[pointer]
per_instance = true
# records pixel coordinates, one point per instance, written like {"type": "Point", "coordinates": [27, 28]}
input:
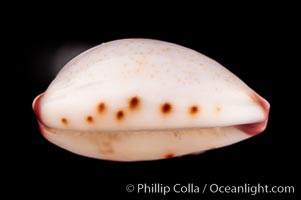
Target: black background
{"type": "Point", "coordinates": [257, 46]}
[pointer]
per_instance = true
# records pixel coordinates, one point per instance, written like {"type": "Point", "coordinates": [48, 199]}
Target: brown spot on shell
{"type": "Point", "coordinates": [166, 49]}
{"type": "Point", "coordinates": [120, 115]}
{"type": "Point", "coordinates": [89, 119]}
{"type": "Point", "coordinates": [64, 121]}
{"type": "Point", "coordinates": [106, 142]}
{"type": "Point", "coordinates": [218, 109]}
{"type": "Point", "coordinates": [134, 103]}
{"type": "Point", "coordinates": [193, 109]}
{"type": "Point", "coordinates": [141, 62]}
{"type": "Point", "coordinates": [101, 107]}
{"type": "Point", "coordinates": [166, 108]}
{"type": "Point", "coordinates": [169, 155]}
{"type": "Point", "coordinates": [106, 147]}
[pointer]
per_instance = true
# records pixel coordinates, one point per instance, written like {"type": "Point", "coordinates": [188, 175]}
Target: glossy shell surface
{"type": "Point", "coordinates": [142, 99]}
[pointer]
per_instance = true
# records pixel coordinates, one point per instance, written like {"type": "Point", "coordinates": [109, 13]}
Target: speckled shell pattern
{"type": "Point", "coordinates": [143, 99]}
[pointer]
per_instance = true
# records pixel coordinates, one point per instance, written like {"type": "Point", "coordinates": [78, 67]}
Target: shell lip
{"type": "Point", "coordinates": [253, 128]}
{"type": "Point", "coordinates": [257, 127]}
{"type": "Point", "coordinates": [250, 129]}
{"type": "Point", "coordinates": [36, 106]}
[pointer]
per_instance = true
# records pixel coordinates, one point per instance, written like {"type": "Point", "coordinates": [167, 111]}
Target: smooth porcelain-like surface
{"type": "Point", "coordinates": [142, 99]}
